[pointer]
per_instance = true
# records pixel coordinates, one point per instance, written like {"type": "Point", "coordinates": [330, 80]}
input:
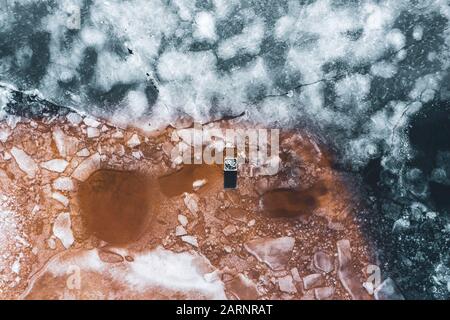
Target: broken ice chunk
{"type": "Point", "coordinates": [229, 230]}
{"type": "Point", "coordinates": [137, 154]}
{"type": "Point", "coordinates": [55, 165]}
{"type": "Point", "coordinates": [62, 229]}
{"type": "Point", "coordinates": [91, 122]}
{"type": "Point", "coordinates": [323, 262]}
{"type": "Point", "coordinates": [117, 134]}
{"type": "Point", "coordinates": [134, 141]}
{"type": "Point", "coordinates": [65, 144]}
{"type": "Point", "coordinates": [312, 281]}
{"type": "Point", "coordinates": [61, 198]}
{"type": "Point", "coordinates": [191, 203]}
{"type": "Point", "coordinates": [83, 153]}
{"type": "Point", "coordinates": [275, 252]}
{"type": "Point", "coordinates": [191, 240]}
{"type": "Point", "coordinates": [74, 118]}
{"type": "Point", "coordinates": [63, 184]}
{"type": "Point", "coordinates": [197, 184]}
{"type": "Point", "coordinates": [25, 162]}
{"type": "Point", "coordinates": [183, 220]}
{"type": "Point", "coordinates": [296, 275]}
{"type": "Point", "coordinates": [346, 274]}
{"type": "Point", "coordinates": [286, 284]}
{"type": "Point", "coordinates": [7, 156]}
{"type": "Point", "coordinates": [180, 231]}
{"type": "Point", "coordinates": [85, 168]}
{"type": "Point", "coordinates": [92, 132]}
{"type": "Point", "coordinates": [324, 293]}
{"type": "Point", "coordinates": [388, 290]}
{"type": "Point", "coordinates": [4, 134]}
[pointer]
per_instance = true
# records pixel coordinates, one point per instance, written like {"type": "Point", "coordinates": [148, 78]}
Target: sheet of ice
{"type": "Point", "coordinates": [25, 162]}
{"type": "Point", "coordinates": [63, 184]}
{"type": "Point", "coordinates": [62, 229]}
{"type": "Point", "coordinates": [85, 168]}
{"type": "Point", "coordinates": [65, 144]}
{"type": "Point", "coordinates": [56, 165]}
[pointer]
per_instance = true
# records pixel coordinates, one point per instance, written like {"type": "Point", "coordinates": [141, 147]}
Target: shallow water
{"type": "Point", "coordinates": [116, 205]}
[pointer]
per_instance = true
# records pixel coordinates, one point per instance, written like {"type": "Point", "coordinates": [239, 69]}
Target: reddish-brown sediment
{"type": "Point", "coordinates": [117, 206]}
{"type": "Point", "coordinates": [287, 203]}
{"type": "Point", "coordinates": [176, 183]}
{"type": "Point", "coordinates": [126, 198]}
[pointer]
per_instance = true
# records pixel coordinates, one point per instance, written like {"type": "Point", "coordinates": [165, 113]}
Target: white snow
{"type": "Point", "coordinates": [25, 162]}
{"type": "Point", "coordinates": [158, 270]}
{"type": "Point", "coordinates": [177, 271]}
{"type": "Point", "coordinates": [55, 165]}
{"type": "Point", "coordinates": [136, 102]}
{"type": "Point", "coordinates": [93, 37]}
{"type": "Point", "coordinates": [205, 26]}
{"type": "Point", "coordinates": [249, 41]}
{"type": "Point", "coordinates": [8, 232]}
{"type": "Point", "coordinates": [4, 134]}
{"type": "Point", "coordinates": [418, 33]}
{"type": "Point", "coordinates": [383, 69]}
